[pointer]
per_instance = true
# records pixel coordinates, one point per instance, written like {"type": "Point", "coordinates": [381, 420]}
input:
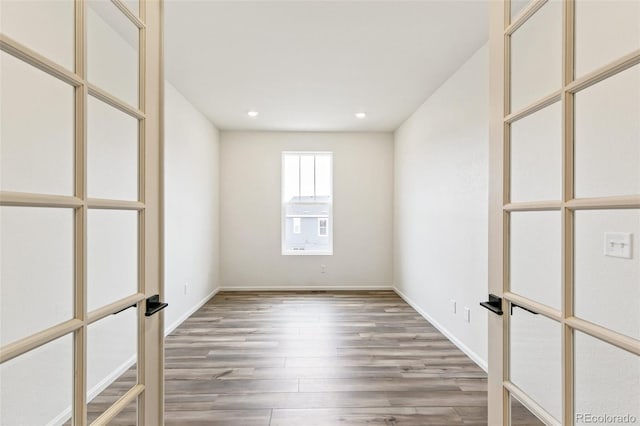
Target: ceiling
{"type": "Point", "coordinates": [310, 65]}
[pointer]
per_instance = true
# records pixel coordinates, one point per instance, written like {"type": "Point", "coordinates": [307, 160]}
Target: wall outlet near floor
{"type": "Point", "coordinates": [323, 269]}
{"type": "Point", "coordinates": [186, 288]}
{"type": "Point", "coordinates": [467, 314]}
{"type": "Point", "coordinates": [453, 306]}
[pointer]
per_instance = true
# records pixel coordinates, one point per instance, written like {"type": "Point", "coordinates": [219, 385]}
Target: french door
{"type": "Point", "coordinates": [564, 344]}
{"type": "Point", "coordinates": [80, 216]}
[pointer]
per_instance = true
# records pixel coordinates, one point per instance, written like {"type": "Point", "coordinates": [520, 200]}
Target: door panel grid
{"type": "Point", "coordinates": [505, 27]}
{"type": "Point", "coordinates": [147, 161]}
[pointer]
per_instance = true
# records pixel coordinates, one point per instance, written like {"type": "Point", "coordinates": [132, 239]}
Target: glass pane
{"type": "Point", "coordinates": [535, 256]}
{"type": "Point", "coordinates": [127, 417]}
{"type": "Point", "coordinates": [536, 347]}
{"type": "Point", "coordinates": [112, 152]}
{"type": "Point", "coordinates": [536, 156]}
{"type": "Point", "coordinates": [517, 6]}
{"type": "Point", "coordinates": [112, 353]}
{"type": "Point", "coordinates": [600, 273]}
{"type": "Point", "coordinates": [44, 26]}
{"type": "Point", "coordinates": [36, 388]}
{"type": "Point", "coordinates": [291, 178]}
{"type": "Point", "coordinates": [37, 113]}
{"type": "Point", "coordinates": [607, 383]}
{"type": "Point", "coordinates": [605, 31]}
{"type": "Point", "coordinates": [112, 51]}
{"type": "Point", "coordinates": [521, 416]}
{"type": "Point", "coordinates": [112, 256]}
{"type": "Point", "coordinates": [536, 56]}
{"type": "Point", "coordinates": [607, 137]}
{"type": "Point", "coordinates": [36, 269]}
{"type": "Point", "coordinates": [306, 175]}
{"type": "Point", "coordinates": [133, 5]}
{"type": "Point", "coordinates": [323, 175]}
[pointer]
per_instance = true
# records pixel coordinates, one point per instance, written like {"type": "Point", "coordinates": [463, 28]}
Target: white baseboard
{"type": "Point", "coordinates": [310, 288]}
{"type": "Point", "coordinates": [200, 304]}
{"type": "Point", "coordinates": [464, 348]}
{"type": "Point", "coordinates": [61, 418]}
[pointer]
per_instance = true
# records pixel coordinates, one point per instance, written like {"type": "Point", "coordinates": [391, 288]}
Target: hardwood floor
{"type": "Point", "coordinates": [313, 359]}
{"type": "Point", "coordinates": [322, 358]}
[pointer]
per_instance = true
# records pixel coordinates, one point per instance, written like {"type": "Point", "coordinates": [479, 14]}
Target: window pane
{"type": "Point", "coordinates": [112, 256]}
{"type": "Point", "coordinates": [605, 31]}
{"type": "Point", "coordinates": [521, 416]}
{"type": "Point", "coordinates": [536, 156]}
{"type": "Point", "coordinates": [134, 5]}
{"type": "Point", "coordinates": [306, 175]}
{"type": "Point", "coordinates": [112, 152]}
{"type": "Point", "coordinates": [112, 51]}
{"type": "Point", "coordinates": [112, 353]}
{"type": "Point", "coordinates": [535, 256]}
{"type": "Point", "coordinates": [36, 388]}
{"type": "Point", "coordinates": [36, 270]}
{"type": "Point", "coordinates": [44, 26]}
{"type": "Point", "coordinates": [128, 416]}
{"type": "Point", "coordinates": [536, 347]}
{"type": "Point", "coordinates": [37, 129]}
{"type": "Point", "coordinates": [323, 175]}
{"type": "Point", "coordinates": [291, 178]}
{"type": "Point", "coordinates": [517, 6]}
{"type": "Point", "coordinates": [598, 275]}
{"type": "Point", "coordinates": [536, 56]}
{"type": "Point", "coordinates": [607, 137]}
{"type": "Point", "coordinates": [607, 381]}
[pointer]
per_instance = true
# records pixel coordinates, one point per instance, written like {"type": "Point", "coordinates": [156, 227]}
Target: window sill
{"type": "Point", "coordinates": [307, 253]}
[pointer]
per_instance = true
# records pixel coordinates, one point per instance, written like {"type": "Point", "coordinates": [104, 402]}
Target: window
{"type": "Point", "coordinates": [323, 226]}
{"type": "Point", "coordinates": [307, 203]}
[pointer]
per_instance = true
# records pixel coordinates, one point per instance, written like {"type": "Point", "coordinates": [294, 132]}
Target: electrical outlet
{"type": "Point", "coordinates": [467, 314]}
{"type": "Point", "coordinates": [323, 269]}
{"type": "Point", "coordinates": [453, 306]}
{"type": "Point", "coordinates": [186, 288]}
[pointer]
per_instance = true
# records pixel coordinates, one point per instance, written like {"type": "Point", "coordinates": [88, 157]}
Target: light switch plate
{"type": "Point", "coordinates": [618, 244]}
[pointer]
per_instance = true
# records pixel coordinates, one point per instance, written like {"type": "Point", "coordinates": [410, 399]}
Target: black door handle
{"type": "Point", "coordinates": [494, 304]}
{"type": "Point", "coordinates": [154, 305]}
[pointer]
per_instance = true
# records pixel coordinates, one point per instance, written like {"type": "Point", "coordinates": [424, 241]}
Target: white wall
{"type": "Point", "coordinates": [440, 205]}
{"type": "Point", "coordinates": [36, 268]}
{"type": "Point", "coordinates": [191, 207]}
{"type": "Point", "coordinates": [251, 207]}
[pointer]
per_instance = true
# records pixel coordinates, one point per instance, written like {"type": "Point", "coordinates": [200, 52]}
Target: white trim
{"type": "Point", "coordinates": [464, 348]}
{"type": "Point", "coordinates": [108, 380]}
{"type": "Point", "coordinates": [61, 418]}
{"type": "Point", "coordinates": [307, 252]}
{"type": "Point", "coordinates": [309, 288]}
{"type": "Point", "coordinates": [190, 312]}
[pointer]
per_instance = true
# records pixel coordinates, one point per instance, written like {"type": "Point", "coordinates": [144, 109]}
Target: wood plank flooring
{"type": "Point", "coordinates": [317, 359]}
{"type": "Point", "coordinates": [313, 359]}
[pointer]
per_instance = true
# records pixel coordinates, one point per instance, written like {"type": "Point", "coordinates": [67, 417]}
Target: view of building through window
{"type": "Point", "coordinates": [307, 202]}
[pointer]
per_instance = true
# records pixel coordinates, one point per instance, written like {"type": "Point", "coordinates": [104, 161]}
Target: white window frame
{"type": "Point", "coordinates": [326, 226]}
{"type": "Point", "coordinates": [297, 225]}
{"type": "Point", "coordinates": [283, 215]}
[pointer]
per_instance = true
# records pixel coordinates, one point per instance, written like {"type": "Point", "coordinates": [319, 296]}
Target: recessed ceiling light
{"type": "Point", "coordinates": [252, 114]}
{"type": "Point", "coordinates": [361, 115]}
